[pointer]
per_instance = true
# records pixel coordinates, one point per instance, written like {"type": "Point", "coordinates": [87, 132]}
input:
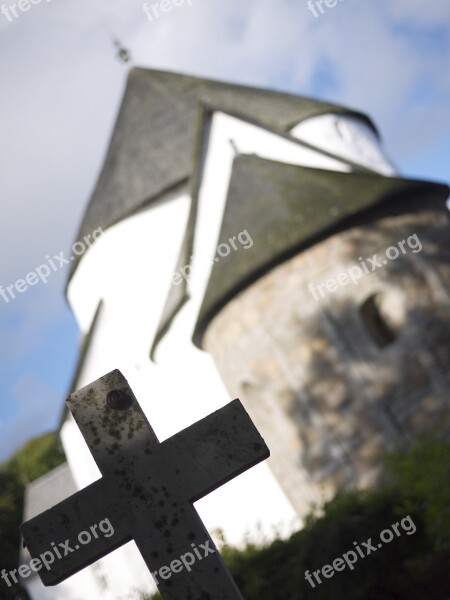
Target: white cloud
{"type": "Point", "coordinates": [377, 66]}
{"type": "Point", "coordinates": [61, 86]}
{"type": "Point", "coordinates": [418, 12]}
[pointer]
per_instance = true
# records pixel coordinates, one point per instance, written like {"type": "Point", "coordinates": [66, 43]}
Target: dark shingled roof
{"type": "Point", "coordinates": [286, 209]}
{"type": "Point", "coordinates": [151, 147]}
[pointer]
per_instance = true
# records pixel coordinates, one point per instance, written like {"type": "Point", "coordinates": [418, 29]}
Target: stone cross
{"type": "Point", "coordinates": [146, 493]}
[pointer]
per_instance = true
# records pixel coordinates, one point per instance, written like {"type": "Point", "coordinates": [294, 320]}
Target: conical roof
{"type": "Point", "coordinates": [286, 199]}
{"type": "Point", "coordinates": [152, 143]}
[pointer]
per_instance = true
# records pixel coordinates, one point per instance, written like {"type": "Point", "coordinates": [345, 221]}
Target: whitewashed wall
{"type": "Point", "coordinates": [348, 137]}
{"type": "Point", "coordinates": [130, 268]}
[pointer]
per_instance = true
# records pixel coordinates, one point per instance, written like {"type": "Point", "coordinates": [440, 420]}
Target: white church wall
{"type": "Point", "coordinates": [228, 134]}
{"type": "Point", "coordinates": [133, 284]}
{"type": "Point", "coordinates": [130, 268]}
{"type": "Point", "coordinates": [348, 137]}
{"type": "Point", "coordinates": [117, 271]}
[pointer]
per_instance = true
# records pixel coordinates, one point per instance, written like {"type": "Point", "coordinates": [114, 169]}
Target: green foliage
{"type": "Point", "coordinates": [423, 473]}
{"type": "Point", "coordinates": [37, 457]}
{"type": "Point", "coordinates": [34, 459]}
{"type": "Point", "coordinates": [411, 567]}
{"type": "Point", "coordinates": [11, 501]}
{"type": "Point", "coordinates": [278, 571]}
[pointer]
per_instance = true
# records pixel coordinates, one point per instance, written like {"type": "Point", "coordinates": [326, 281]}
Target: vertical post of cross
{"type": "Point", "coordinates": [151, 488]}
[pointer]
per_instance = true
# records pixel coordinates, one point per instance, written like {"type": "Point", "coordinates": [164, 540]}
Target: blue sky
{"type": "Point", "coordinates": [61, 89]}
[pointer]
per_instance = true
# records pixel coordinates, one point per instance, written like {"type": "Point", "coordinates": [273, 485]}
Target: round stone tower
{"type": "Point", "coordinates": [270, 230]}
{"type": "Point", "coordinates": [340, 348]}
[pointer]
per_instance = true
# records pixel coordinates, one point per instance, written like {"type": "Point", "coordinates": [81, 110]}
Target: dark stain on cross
{"type": "Point", "coordinates": [147, 490]}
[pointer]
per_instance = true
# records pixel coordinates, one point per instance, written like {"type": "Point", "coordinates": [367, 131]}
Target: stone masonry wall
{"type": "Point", "coordinates": [326, 396]}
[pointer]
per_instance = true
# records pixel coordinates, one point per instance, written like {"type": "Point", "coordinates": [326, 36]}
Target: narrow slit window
{"type": "Point", "coordinates": [375, 322]}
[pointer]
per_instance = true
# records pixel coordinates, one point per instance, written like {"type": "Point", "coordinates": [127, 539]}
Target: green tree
{"type": "Point", "coordinates": [413, 566]}
{"type": "Point", "coordinates": [37, 457]}
{"type": "Point", "coordinates": [31, 461]}
{"type": "Point", "coordinates": [421, 475]}
{"type": "Point", "coordinates": [11, 501]}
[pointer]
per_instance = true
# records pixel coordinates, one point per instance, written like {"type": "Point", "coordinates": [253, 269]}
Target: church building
{"type": "Point", "coordinates": [261, 246]}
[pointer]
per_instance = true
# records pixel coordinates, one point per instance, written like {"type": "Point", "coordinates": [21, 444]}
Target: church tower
{"type": "Point", "coordinates": [337, 337]}
{"type": "Point", "coordinates": [259, 245]}
{"type": "Point", "coordinates": [293, 254]}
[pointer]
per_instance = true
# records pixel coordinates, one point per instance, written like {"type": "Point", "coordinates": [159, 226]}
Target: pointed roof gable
{"type": "Point", "coordinates": [151, 147]}
{"type": "Point", "coordinates": [281, 202]}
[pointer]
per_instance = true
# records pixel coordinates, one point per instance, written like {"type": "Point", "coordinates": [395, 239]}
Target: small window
{"type": "Point", "coordinates": [375, 322]}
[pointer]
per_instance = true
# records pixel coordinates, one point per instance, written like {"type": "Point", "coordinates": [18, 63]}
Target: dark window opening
{"type": "Point", "coordinates": [375, 322]}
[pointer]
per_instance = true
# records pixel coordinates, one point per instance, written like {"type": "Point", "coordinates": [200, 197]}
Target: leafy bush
{"type": "Point", "coordinates": [37, 457]}
{"type": "Point", "coordinates": [34, 459]}
{"type": "Point", "coordinates": [421, 476]}
{"type": "Point", "coordinates": [415, 482]}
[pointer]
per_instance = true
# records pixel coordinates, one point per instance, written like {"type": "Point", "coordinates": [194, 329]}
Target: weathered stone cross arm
{"type": "Point", "coordinates": [146, 492]}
